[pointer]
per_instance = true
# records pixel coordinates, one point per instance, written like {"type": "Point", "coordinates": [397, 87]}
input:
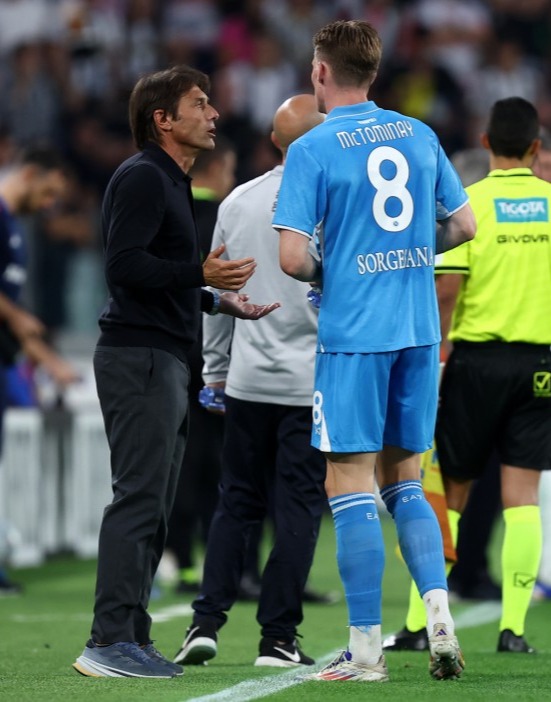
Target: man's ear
{"type": "Point", "coordinates": [162, 121]}
{"type": "Point", "coordinates": [485, 141]}
{"type": "Point", "coordinates": [323, 71]}
{"type": "Point", "coordinates": [534, 147]}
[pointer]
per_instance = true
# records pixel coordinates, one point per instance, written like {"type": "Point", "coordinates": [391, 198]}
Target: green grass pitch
{"type": "Point", "coordinates": [44, 630]}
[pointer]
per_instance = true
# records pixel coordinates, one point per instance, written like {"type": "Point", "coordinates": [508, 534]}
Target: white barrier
{"type": "Point", "coordinates": [21, 485]}
{"type": "Point", "coordinates": [87, 484]}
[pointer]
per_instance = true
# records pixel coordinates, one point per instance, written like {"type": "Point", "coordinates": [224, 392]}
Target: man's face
{"type": "Point", "coordinates": [45, 189]}
{"type": "Point", "coordinates": [194, 124]}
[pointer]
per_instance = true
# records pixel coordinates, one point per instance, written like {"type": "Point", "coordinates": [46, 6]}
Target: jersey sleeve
{"type": "Point", "coordinates": [301, 199]}
{"type": "Point", "coordinates": [450, 193]}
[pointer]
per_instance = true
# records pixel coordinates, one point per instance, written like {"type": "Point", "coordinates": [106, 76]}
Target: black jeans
{"type": "Point", "coordinates": [144, 401]}
{"type": "Point", "coordinates": [268, 466]}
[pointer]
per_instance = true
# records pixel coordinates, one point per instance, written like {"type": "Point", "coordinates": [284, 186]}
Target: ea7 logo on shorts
{"type": "Point", "coordinates": [522, 210]}
{"type": "Point", "coordinates": [542, 384]}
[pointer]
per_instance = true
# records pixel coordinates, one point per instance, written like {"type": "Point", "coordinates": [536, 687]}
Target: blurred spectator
{"type": "Point", "coordinates": [507, 72]}
{"type": "Point", "coordinates": [456, 31]}
{"type": "Point", "coordinates": [241, 22]}
{"type": "Point", "coordinates": [427, 91]}
{"type": "Point", "coordinates": [259, 87]}
{"type": "Point", "coordinates": [189, 31]}
{"type": "Point", "coordinates": [72, 225]}
{"type": "Point", "coordinates": [528, 21]}
{"type": "Point", "coordinates": [294, 23]}
{"type": "Point", "coordinates": [31, 101]}
{"type": "Point", "coordinates": [142, 45]}
{"type": "Point", "coordinates": [385, 15]}
{"type": "Point", "coordinates": [27, 22]}
{"type": "Point", "coordinates": [93, 34]}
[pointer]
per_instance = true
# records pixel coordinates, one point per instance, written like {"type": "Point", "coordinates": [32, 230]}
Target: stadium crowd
{"type": "Point", "coordinates": [67, 67]}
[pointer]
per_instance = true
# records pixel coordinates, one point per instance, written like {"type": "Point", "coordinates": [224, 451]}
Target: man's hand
{"type": "Point", "coordinates": [62, 372]}
{"type": "Point", "coordinates": [237, 305]}
{"type": "Point", "coordinates": [227, 275]}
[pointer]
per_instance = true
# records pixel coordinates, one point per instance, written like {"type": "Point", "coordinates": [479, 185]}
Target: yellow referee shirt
{"type": "Point", "coordinates": [506, 292]}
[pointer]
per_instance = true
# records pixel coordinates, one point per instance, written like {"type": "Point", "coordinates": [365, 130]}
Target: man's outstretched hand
{"type": "Point", "coordinates": [227, 275]}
{"type": "Point", "coordinates": [238, 305]}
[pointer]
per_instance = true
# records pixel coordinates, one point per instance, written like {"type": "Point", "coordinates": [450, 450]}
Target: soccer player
{"type": "Point", "coordinates": [542, 588]}
{"type": "Point", "coordinates": [372, 183]}
{"type": "Point", "coordinates": [496, 388]}
{"type": "Point", "coordinates": [34, 182]}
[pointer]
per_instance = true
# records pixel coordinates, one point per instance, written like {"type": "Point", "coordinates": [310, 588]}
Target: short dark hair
{"type": "Point", "coordinates": [512, 127]}
{"type": "Point", "coordinates": [352, 48]}
{"type": "Point", "coordinates": [161, 90]}
{"type": "Point", "coordinates": [44, 157]}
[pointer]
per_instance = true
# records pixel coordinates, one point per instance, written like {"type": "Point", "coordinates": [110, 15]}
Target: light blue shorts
{"type": "Point", "coordinates": [365, 401]}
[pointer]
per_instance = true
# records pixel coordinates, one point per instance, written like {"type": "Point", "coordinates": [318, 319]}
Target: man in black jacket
{"type": "Point", "coordinates": [155, 278]}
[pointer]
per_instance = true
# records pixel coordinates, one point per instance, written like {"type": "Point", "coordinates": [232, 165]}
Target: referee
{"type": "Point", "coordinates": [495, 297]}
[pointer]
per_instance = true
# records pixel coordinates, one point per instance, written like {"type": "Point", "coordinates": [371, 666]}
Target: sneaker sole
{"type": "Point", "coordinates": [373, 678]}
{"type": "Point", "coordinates": [197, 652]}
{"type": "Point", "coordinates": [85, 667]}
{"type": "Point", "coordinates": [92, 669]}
{"type": "Point", "coordinates": [273, 662]}
{"type": "Point", "coordinates": [446, 662]}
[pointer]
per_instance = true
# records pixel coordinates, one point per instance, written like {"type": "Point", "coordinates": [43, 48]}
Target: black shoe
{"type": "Point", "coordinates": [199, 646]}
{"type": "Point", "coordinates": [281, 655]}
{"type": "Point", "coordinates": [511, 643]}
{"type": "Point", "coordinates": [249, 589]}
{"type": "Point", "coordinates": [406, 640]}
{"type": "Point", "coordinates": [484, 590]}
{"type": "Point", "coordinates": [9, 589]}
{"type": "Point", "coordinates": [313, 597]}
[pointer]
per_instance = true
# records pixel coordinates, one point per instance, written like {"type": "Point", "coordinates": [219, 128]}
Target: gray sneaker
{"type": "Point", "coordinates": [150, 650]}
{"type": "Point", "coordinates": [120, 660]}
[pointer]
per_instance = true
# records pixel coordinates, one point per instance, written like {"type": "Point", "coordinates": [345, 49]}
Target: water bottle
{"type": "Point", "coordinates": [212, 398]}
{"type": "Point", "coordinates": [314, 296]}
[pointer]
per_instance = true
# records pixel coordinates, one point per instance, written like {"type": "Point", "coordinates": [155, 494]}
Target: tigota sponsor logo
{"type": "Point", "coordinates": [522, 210]}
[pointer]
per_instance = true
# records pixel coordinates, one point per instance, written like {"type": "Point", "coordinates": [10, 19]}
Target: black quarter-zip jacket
{"type": "Point", "coordinates": [152, 257]}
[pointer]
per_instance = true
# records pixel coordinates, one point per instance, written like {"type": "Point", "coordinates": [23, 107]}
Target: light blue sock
{"type": "Point", "coordinates": [419, 534]}
{"type": "Point", "coordinates": [360, 555]}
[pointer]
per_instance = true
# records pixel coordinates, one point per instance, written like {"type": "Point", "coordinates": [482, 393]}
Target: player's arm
{"type": "Point", "coordinates": [447, 290]}
{"type": "Point", "coordinates": [295, 258]}
{"type": "Point", "coordinates": [456, 229]}
{"type": "Point", "coordinates": [21, 323]}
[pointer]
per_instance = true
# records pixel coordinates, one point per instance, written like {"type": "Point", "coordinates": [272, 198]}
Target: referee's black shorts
{"type": "Point", "coordinates": [494, 395]}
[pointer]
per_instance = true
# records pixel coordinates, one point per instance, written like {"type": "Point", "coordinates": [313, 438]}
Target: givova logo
{"type": "Point", "coordinates": [522, 210]}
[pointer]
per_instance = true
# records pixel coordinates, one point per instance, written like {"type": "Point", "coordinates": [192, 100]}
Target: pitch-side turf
{"type": "Point", "coordinates": [42, 632]}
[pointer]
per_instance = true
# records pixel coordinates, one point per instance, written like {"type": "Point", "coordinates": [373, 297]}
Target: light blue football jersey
{"type": "Point", "coordinates": [373, 182]}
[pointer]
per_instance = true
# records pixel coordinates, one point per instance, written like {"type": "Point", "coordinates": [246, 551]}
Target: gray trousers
{"type": "Point", "coordinates": [143, 394]}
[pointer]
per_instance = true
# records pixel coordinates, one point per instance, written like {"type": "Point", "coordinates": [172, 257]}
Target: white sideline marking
{"type": "Point", "coordinates": [165, 614]}
{"type": "Point", "coordinates": [173, 612]}
{"type": "Point", "coordinates": [478, 614]}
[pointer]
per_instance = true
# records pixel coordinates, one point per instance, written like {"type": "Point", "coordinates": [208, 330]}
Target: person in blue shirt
{"type": "Point", "coordinates": [380, 193]}
{"type": "Point", "coordinates": [33, 182]}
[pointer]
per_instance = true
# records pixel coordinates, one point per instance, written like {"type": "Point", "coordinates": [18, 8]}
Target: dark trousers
{"type": "Point", "coordinates": [268, 465]}
{"type": "Point", "coordinates": [143, 397]}
{"type": "Point", "coordinates": [197, 490]}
